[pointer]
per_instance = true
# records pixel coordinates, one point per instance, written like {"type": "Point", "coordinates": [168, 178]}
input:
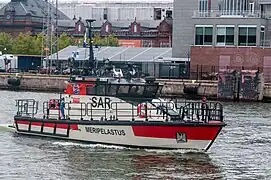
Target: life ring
{"type": "Point", "coordinates": [141, 110]}
{"type": "Point", "coordinates": [54, 104]}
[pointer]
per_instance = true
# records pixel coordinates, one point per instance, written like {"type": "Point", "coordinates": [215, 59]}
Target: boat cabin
{"type": "Point", "coordinates": [114, 87]}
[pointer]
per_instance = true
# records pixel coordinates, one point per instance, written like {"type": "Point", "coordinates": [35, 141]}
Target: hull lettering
{"type": "Point", "coordinates": [100, 102]}
{"type": "Point", "coordinates": [112, 132]}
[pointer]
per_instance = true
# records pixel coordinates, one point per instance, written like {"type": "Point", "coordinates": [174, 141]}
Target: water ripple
{"type": "Point", "coordinates": [242, 151]}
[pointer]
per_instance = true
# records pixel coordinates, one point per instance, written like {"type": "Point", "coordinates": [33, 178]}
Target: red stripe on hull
{"type": "Point", "coordinates": [51, 125]}
{"type": "Point", "coordinates": [192, 132]}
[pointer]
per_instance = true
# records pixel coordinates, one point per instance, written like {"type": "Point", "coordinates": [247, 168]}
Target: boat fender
{"type": "Point", "coordinates": [14, 82]}
{"type": "Point", "coordinates": [141, 110]}
{"type": "Point", "coordinates": [53, 104]}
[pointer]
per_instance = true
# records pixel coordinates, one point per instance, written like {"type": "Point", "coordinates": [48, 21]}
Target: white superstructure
{"type": "Point", "coordinates": [118, 9]}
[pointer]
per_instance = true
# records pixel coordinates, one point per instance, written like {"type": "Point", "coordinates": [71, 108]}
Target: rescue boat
{"type": "Point", "coordinates": [124, 112]}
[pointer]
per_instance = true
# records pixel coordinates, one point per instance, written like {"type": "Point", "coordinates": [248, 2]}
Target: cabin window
{"type": "Point", "coordinates": [150, 91]}
{"type": "Point", "coordinates": [101, 90]}
{"type": "Point", "coordinates": [136, 90]}
{"type": "Point", "coordinates": [123, 89]}
{"type": "Point", "coordinates": [112, 90]}
{"type": "Point", "coordinates": [90, 90]}
{"type": "Point", "coordinates": [159, 89]}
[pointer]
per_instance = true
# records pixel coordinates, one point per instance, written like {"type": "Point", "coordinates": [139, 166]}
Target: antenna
{"type": "Point", "coordinates": [47, 33]}
{"type": "Point", "coordinates": [56, 29]}
{"type": "Point", "coordinates": [51, 34]}
{"type": "Point", "coordinates": [90, 64]}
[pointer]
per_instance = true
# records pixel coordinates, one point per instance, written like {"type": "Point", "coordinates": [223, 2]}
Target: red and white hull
{"type": "Point", "coordinates": [162, 135]}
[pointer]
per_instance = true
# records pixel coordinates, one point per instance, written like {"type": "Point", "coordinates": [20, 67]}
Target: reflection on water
{"type": "Point", "coordinates": [137, 164]}
{"type": "Point", "coordinates": [242, 151]}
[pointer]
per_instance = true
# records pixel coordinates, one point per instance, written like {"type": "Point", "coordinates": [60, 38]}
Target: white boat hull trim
{"type": "Point", "coordinates": [132, 134]}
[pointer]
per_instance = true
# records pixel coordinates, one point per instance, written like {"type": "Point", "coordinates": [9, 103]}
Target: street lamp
{"type": "Point", "coordinates": [90, 63]}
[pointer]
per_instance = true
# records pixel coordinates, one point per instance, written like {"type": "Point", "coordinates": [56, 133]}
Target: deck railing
{"type": "Point", "coordinates": [27, 107]}
{"type": "Point", "coordinates": [149, 111]}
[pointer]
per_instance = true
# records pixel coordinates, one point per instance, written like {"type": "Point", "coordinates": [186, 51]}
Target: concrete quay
{"type": "Point", "coordinates": [172, 87]}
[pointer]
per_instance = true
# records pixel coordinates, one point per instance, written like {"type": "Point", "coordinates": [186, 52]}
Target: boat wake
{"type": "Point", "coordinates": [94, 146]}
{"type": "Point", "coordinates": [102, 146]}
{"type": "Point", "coordinates": [174, 151]}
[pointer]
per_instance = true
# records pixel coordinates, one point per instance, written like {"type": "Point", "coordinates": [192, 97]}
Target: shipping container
{"type": "Point", "coordinates": [26, 63]}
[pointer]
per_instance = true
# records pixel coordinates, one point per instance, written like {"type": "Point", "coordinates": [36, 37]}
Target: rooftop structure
{"type": "Point", "coordinates": [116, 53]}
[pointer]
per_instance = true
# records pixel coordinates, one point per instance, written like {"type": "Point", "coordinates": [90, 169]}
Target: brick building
{"type": "Point", "coordinates": [149, 33]}
{"type": "Point", "coordinates": [223, 33]}
{"type": "Point", "coordinates": [30, 16]}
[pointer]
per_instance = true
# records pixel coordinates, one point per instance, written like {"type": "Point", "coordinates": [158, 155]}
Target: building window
{"type": "Point", "coordinates": [203, 5]}
{"type": "Point", "coordinates": [79, 28]}
{"type": "Point", "coordinates": [247, 36]}
{"type": "Point", "coordinates": [204, 35]}
{"type": "Point", "coordinates": [105, 13]}
{"type": "Point", "coordinates": [224, 35]}
{"type": "Point", "coordinates": [106, 28]}
{"type": "Point", "coordinates": [251, 8]}
{"type": "Point", "coordinates": [135, 28]}
{"type": "Point", "coordinates": [262, 36]}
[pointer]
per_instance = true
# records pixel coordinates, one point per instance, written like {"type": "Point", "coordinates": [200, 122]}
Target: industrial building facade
{"type": "Point", "coordinates": [223, 33]}
{"type": "Point", "coordinates": [220, 23]}
{"type": "Point", "coordinates": [118, 10]}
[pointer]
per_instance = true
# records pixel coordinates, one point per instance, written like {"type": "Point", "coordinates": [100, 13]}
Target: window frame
{"type": "Point", "coordinates": [225, 35]}
{"type": "Point", "coordinates": [247, 35]}
{"type": "Point", "coordinates": [203, 35]}
{"type": "Point", "coordinates": [262, 36]}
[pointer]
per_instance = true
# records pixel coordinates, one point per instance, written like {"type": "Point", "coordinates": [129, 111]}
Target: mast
{"type": "Point", "coordinates": [51, 34]}
{"type": "Point", "coordinates": [47, 34]}
{"type": "Point", "coordinates": [90, 63]}
{"type": "Point", "coordinates": [56, 29]}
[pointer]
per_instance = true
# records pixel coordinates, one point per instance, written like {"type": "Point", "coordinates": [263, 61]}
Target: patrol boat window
{"type": "Point", "coordinates": [101, 90]}
{"type": "Point", "coordinates": [123, 90]}
{"type": "Point", "coordinates": [136, 90]}
{"type": "Point", "coordinates": [112, 89]}
{"type": "Point", "coordinates": [90, 90]}
{"type": "Point", "coordinates": [150, 90]}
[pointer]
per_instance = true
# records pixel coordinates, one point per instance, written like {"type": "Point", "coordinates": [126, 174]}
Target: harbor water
{"type": "Point", "coordinates": [241, 151]}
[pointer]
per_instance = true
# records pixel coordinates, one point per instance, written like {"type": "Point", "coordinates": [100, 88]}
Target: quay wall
{"type": "Point", "coordinates": [172, 88]}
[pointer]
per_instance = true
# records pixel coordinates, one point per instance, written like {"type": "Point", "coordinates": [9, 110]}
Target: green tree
{"type": "Point", "coordinates": [25, 44]}
{"type": "Point", "coordinates": [110, 40]}
{"type": "Point", "coordinates": [38, 42]}
{"type": "Point", "coordinates": [97, 40]}
{"type": "Point", "coordinates": [6, 43]}
{"type": "Point", "coordinates": [64, 41]}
